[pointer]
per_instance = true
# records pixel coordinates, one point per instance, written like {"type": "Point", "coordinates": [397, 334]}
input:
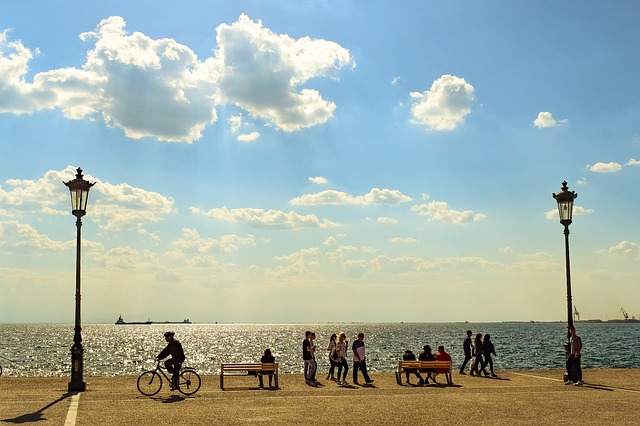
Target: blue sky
{"type": "Point", "coordinates": [312, 161]}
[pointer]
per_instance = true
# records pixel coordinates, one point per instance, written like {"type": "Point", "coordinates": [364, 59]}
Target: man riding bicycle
{"type": "Point", "coordinates": [173, 364]}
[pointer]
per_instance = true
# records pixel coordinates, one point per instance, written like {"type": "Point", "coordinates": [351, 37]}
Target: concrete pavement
{"type": "Point", "coordinates": [610, 396]}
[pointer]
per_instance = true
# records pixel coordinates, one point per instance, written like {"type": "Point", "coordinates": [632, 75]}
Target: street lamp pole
{"type": "Point", "coordinates": [565, 200]}
{"type": "Point", "coordinates": [79, 189]}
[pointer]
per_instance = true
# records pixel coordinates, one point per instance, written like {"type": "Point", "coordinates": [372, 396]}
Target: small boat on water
{"type": "Point", "coordinates": [121, 321]}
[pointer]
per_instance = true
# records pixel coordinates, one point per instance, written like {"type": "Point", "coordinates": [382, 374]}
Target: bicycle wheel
{"type": "Point", "coordinates": [149, 383]}
{"type": "Point", "coordinates": [189, 382]}
{"type": "Point", "coordinates": [0, 370]}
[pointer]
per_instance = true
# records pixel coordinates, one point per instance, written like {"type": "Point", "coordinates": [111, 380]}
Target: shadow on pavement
{"type": "Point", "coordinates": [37, 415]}
{"type": "Point", "coordinates": [172, 399]}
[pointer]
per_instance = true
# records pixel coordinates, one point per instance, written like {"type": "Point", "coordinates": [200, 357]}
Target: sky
{"type": "Point", "coordinates": [319, 161]}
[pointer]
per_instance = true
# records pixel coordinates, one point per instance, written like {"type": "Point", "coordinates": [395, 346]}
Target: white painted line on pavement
{"type": "Point", "coordinates": [586, 385]}
{"type": "Point", "coordinates": [73, 410]}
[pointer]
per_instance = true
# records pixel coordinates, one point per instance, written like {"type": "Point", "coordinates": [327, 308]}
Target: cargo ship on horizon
{"type": "Point", "coordinates": [121, 321]}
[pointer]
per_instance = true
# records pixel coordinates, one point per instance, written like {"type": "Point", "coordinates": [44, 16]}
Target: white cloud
{"type": "Point", "coordinates": [403, 240]}
{"type": "Point", "coordinates": [443, 263]}
{"type": "Point", "coordinates": [261, 72]}
{"type": "Point", "coordinates": [192, 242]}
{"type": "Point", "coordinates": [611, 167]}
{"type": "Point", "coordinates": [122, 206]}
{"type": "Point", "coordinates": [440, 211]}
{"type": "Point", "coordinates": [248, 137]}
{"type": "Point", "coordinates": [395, 80]}
{"type": "Point", "coordinates": [375, 196]}
{"type": "Point", "coordinates": [113, 207]}
{"type": "Point", "coordinates": [387, 220]}
{"type": "Point", "coordinates": [545, 119]}
{"type": "Point", "coordinates": [302, 262]}
{"type": "Point", "coordinates": [265, 218]}
{"type": "Point", "coordinates": [159, 88]}
{"type": "Point", "coordinates": [318, 180]}
{"type": "Point", "coordinates": [236, 122]}
{"type": "Point", "coordinates": [625, 248]}
{"type": "Point", "coordinates": [14, 234]}
{"type": "Point", "coordinates": [444, 105]}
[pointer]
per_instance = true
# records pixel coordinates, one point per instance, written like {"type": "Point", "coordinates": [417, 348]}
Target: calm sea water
{"type": "Point", "coordinates": [44, 349]}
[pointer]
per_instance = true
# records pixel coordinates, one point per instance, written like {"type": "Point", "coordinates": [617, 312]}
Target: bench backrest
{"type": "Point", "coordinates": [425, 364]}
{"type": "Point", "coordinates": [272, 366]}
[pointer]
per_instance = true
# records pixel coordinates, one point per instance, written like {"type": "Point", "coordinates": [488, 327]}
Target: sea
{"type": "Point", "coordinates": [37, 350]}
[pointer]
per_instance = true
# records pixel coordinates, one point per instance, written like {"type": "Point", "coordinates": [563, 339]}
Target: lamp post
{"type": "Point", "coordinates": [79, 189]}
{"type": "Point", "coordinates": [565, 209]}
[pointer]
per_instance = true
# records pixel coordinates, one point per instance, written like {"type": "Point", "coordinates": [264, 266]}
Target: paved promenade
{"type": "Point", "coordinates": [609, 397]}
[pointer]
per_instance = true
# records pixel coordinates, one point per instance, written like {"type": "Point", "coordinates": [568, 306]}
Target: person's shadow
{"type": "Point", "coordinates": [37, 415]}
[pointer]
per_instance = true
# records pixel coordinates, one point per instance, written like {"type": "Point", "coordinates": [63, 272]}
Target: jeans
{"type": "Point", "coordinates": [574, 371]}
{"type": "Point", "coordinates": [343, 364]}
{"type": "Point", "coordinates": [467, 358]}
{"type": "Point", "coordinates": [362, 366]}
{"type": "Point", "coordinates": [309, 369]}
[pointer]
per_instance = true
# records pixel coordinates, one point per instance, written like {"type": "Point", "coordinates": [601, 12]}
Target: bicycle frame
{"type": "Point", "coordinates": [188, 380]}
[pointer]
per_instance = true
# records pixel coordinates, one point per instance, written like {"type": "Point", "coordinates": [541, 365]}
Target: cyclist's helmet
{"type": "Point", "coordinates": [169, 334]}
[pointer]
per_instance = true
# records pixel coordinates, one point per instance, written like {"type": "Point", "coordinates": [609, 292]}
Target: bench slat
{"type": "Point", "coordinates": [237, 369]}
{"type": "Point", "coordinates": [425, 365]}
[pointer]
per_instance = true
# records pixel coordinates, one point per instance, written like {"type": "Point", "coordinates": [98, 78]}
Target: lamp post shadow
{"type": "Point", "coordinates": [37, 416]}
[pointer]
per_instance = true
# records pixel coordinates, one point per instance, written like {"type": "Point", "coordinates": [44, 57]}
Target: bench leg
{"type": "Point", "coordinates": [221, 381]}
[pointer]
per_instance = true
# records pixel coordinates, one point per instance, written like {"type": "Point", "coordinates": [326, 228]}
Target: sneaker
{"type": "Point", "coordinates": [578, 383]}
{"type": "Point", "coordinates": [462, 372]}
{"type": "Point", "coordinates": [369, 381]}
{"type": "Point", "coordinates": [568, 382]}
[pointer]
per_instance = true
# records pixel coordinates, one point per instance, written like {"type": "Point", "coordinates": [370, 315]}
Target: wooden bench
{"type": "Point", "coordinates": [430, 367]}
{"type": "Point", "coordinates": [248, 370]}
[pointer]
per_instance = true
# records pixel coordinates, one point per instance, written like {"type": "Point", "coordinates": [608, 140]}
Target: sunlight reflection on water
{"type": "Point", "coordinates": [44, 349]}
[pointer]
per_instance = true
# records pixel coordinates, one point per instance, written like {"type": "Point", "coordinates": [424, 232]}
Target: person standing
{"type": "Point", "coordinates": [574, 370]}
{"type": "Point", "coordinates": [307, 356]}
{"type": "Point", "coordinates": [360, 360]}
{"type": "Point", "coordinates": [477, 357]}
{"type": "Point", "coordinates": [466, 345]}
{"type": "Point", "coordinates": [312, 338]}
{"type": "Point", "coordinates": [173, 364]}
{"type": "Point", "coordinates": [487, 350]}
{"type": "Point", "coordinates": [341, 361]}
{"type": "Point", "coordinates": [332, 356]}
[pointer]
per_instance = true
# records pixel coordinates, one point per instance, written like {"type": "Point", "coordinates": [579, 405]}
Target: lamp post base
{"type": "Point", "coordinates": [77, 384]}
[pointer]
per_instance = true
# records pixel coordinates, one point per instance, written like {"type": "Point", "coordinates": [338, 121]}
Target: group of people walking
{"type": "Point", "coordinates": [479, 352]}
{"type": "Point", "coordinates": [337, 352]}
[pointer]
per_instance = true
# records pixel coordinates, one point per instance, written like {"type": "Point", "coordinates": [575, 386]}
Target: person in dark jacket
{"type": "Point", "coordinates": [410, 356]}
{"type": "Point", "coordinates": [267, 358]}
{"type": "Point", "coordinates": [427, 355]}
{"type": "Point", "coordinates": [466, 345]}
{"type": "Point", "coordinates": [173, 364]}
{"type": "Point", "coordinates": [488, 349]}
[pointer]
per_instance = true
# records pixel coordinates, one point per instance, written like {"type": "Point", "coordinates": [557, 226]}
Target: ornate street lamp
{"type": "Point", "coordinates": [565, 210]}
{"type": "Point", "coordinates": [79, 189]}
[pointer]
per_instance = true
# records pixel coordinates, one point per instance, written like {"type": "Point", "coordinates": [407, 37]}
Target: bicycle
{"type": "Point", "coordinates": [150, 382]}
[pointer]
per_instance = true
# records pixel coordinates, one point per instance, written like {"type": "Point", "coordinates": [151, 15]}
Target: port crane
{"type": "Point", "coordinates": [576, 314]}
{"type": "Point", "coordinates": [624, 313]}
